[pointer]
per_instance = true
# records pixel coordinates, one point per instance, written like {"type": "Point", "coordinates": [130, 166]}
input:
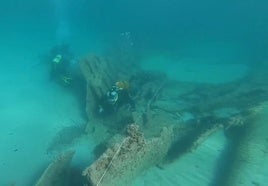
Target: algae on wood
{"type": "Point", "coordinates": [120, 164]}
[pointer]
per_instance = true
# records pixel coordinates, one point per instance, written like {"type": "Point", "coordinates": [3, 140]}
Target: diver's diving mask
{"type": "Point", "coordinates": [112, 97]}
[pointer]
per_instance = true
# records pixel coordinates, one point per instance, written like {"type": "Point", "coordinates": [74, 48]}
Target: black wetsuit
{"type": "Point", "coordinates": [107, 107]}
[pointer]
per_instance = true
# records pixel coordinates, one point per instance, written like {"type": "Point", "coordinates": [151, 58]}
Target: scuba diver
{"type": "Point", "coordinates": [65, 71]}
{"type": "Point", "coordinates": [115, 98]}
{"type": "Point", "coordinates": [59, 70]}
{"type": "Point", "coordinates": [62, 64]}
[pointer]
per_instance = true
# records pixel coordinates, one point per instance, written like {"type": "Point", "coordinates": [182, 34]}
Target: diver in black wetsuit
{"type": "Point", "coordinates": [63, 65]}
{"type": "Point", "coordinates": [115, 98]}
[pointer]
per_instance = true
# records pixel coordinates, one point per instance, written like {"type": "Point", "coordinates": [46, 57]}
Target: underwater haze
{"type": "Point", "coordinates": [194, 64]}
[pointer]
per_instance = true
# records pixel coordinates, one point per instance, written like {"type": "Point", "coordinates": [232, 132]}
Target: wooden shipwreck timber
{"type": "Point", "coordinates": [172, 119]}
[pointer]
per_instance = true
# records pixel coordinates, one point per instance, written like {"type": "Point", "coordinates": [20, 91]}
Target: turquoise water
{"type": "Point", "coordinates": [205, 50]}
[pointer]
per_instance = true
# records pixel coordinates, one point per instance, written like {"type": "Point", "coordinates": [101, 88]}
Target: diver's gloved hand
{"type": "Point", "coordinates": [66, 80]}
